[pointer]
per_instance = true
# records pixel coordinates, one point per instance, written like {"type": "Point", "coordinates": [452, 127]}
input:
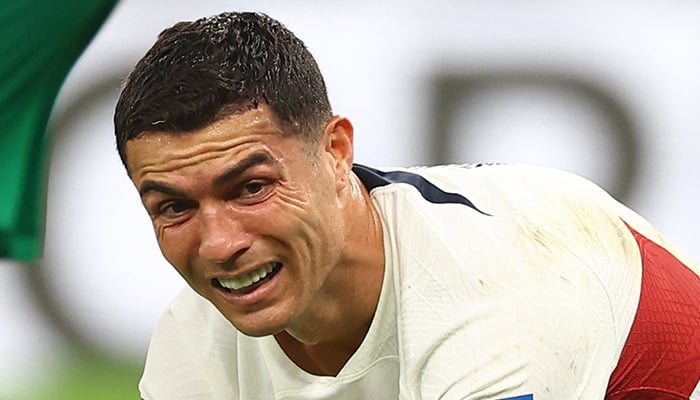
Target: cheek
{"type": "Point", "coordinates": [296, 221]}
{"type": "Point", "coordinates": [292, 197]}
{"type": "Point", "coordinates": [313, 221]}
{"type": "Point", "coordinates": [176, 244]}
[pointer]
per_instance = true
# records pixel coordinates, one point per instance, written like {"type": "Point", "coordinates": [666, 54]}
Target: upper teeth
{"type": "Point", "coordinates": [247, 279]}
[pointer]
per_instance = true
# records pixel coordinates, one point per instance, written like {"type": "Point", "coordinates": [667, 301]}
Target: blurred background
{"type": "Point", "coordinates": [608, 90]}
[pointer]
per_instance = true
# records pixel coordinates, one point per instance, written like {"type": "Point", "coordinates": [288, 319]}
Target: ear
{"type": "Point", "coordinates": [337, 145]}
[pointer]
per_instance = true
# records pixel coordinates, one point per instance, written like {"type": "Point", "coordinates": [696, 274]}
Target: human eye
{"type": "Point", "coordinates": [253, 188]}
{"type": "Point", "coordinates": [175, 209]}
{"type": "Point", "coordinates": [254, 191]}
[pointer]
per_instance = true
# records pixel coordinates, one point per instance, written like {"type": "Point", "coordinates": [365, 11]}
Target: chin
{"type": "Point", "coordinates": [256, 331]}
{"type": "Point", "coordinates": [255, 326]}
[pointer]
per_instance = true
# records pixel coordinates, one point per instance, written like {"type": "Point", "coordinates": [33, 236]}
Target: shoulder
{"type": "Point", "coordinates": [518, 185]}
{"type": "Point", "coordinates": [538, 213]}
{"type": "Point", "coordinates": [525, 272]}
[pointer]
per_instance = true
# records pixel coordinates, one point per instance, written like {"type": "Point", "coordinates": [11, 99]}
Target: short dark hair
{"type": "Point", "coordinates": [197, 69]}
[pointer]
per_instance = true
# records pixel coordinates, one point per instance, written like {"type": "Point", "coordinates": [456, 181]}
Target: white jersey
{"type": "Point", "coordinates": [195, 353]}
{"type": "Point", "coordinates": [502, 282]}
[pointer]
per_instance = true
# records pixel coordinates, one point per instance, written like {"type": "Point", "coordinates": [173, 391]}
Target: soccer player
{"type": "Point", "coordinates": [312, 277]}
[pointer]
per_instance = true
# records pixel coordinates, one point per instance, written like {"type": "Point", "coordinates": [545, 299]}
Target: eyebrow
{"type": "Point", "coordinates": [236, 170]}
{"type": "Point", "coordinates": [152, 186]}
{"type": "Point", "coordinates": [233, 172]}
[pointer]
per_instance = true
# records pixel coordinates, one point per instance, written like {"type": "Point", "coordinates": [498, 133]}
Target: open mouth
{"type": "Point", "coordinates": [248, 282]}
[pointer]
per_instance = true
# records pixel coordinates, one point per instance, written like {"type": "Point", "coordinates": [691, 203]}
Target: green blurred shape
{"type": "Point", "coordinates": [41, 39]}
{"type": "Point", "coordinates": [90, 378]}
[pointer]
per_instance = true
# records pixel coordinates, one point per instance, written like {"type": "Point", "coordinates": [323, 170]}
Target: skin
{"type": "Point", "coordinates": [240, 193]}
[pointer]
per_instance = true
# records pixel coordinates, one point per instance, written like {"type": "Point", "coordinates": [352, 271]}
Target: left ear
{"type": "Point", "coordinates": [337, 144]}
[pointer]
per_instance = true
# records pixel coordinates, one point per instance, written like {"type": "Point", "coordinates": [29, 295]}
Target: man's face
{"type": "Point", "coordinates": [250, 217]}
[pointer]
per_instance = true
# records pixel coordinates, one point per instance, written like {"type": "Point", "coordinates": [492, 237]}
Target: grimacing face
{"type": "Point", "coordinates": [250, 217]}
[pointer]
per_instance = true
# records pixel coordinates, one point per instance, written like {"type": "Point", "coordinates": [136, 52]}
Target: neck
{"type": "Point", "coordinates": [325, 340]}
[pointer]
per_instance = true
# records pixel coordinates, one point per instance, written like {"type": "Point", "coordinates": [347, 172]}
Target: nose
{"type": "Point", "coordinates": [223, 236]}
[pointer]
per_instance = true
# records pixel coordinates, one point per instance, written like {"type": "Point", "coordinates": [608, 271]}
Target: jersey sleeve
{"type": "Point", "coordinates": [191, 355]}
{"type": "Point", "coordinates": [171, 370]}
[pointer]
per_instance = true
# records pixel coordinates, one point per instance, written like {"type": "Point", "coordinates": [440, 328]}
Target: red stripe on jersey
{"type": "Point", "coordinates": [661, 357]}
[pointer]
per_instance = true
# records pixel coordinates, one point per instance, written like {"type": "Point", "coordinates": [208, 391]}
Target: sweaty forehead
{"type": "Point", "coordinates": [153, 150]}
